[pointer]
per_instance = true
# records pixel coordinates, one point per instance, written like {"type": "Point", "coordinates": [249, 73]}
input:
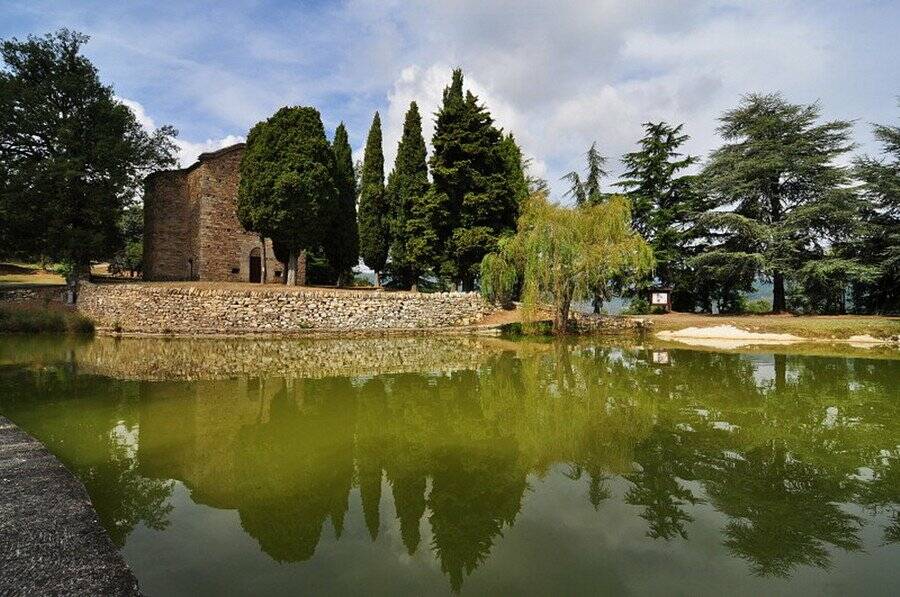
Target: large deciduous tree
{"type": "Point", "coordinates": [71, 155]}
{"type": "Point", "coordinates": [777, 173]}
{"type": "Point", "coordinates": [374, 217]}
{"type": "Point", "coordinates": [564, 253]}
{"type": "Point", "coordinates": [342, 244]}
{"type": "Point", "coordinates": [287, 190]}
{"type": "Point", "coordinates": [472, 185]}
{"type": "Point", "coordinates": [406, 188]}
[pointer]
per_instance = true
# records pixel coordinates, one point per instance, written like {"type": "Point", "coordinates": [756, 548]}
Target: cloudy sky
{"type": "Point", "coordinates": [558, 74]}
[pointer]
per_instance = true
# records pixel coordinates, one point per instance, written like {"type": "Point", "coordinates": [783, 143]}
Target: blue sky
{"type": "Point", "coordinates": [559, 75]}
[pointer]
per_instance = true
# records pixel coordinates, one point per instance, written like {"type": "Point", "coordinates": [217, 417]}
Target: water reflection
{"type": "Point", "coordinates": [795, 454]}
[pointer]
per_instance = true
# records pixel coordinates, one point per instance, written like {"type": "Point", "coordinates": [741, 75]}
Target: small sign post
{"type": "Point", "coordinates": [661, 297]}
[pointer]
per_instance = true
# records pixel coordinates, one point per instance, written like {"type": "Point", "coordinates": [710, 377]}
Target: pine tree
{"type": "Point", "coordinates": [407, 186]}
{"type": "Point", "coordinates": [342, 244]}
{"type": "Point", "coordinates": [778, 169]}
{"type": "Point", "coordinates": [514, 164]}
{"type": "Point", "coordinates": [587, 191]}
{"type": "Point", "coordinates": [663, 204]}
{"type": "Point", "coordinates": [471, 184]}
{"type": "Point", "coordinates": [287, 190]}
{"type": "Point", "coordinates": [879, 247]}
{"type": "Point", "coordinates": [374, 220]}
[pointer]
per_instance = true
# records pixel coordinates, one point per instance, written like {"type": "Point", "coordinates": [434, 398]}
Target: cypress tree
{"type": "Point", "coordinates": [471, 183]}
{"type": "Point", "coordinates": [342, 244]}
{"type": "Point", "coordinates": [407, 186]}
{"type": "Point", "coordinates": [374, 233]}
{"type": "Point", "coordinates": [287, 189]}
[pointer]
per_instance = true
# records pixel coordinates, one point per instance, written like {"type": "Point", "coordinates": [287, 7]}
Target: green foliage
{"type": "Point", "coordinates": [475, 201]}
{"type": "Point", "coordinates": [374, 217]}
{"type": "Point", "coordinates": [499, 276]}
{"type": "Point", "coordinates": [34, 319]}
{"type": "Point", "coordinates": [587, 191]}
{"type": "Point", "coordinates": [663, 205]}
{"type": "Point", "coordinates": [342, 244]}
{"type": "Point", "coordinates": [821, 285]}
{"type": "Point", "coordinates": [637, 306]}
{"type": "Point", "coordinates": [790, 199]}
{"type": "Point", "coordinates": [71, 156]}
{"type": "Point", "coordinates": [287, 190]}
{"type": "Point", "coordinates": [561, 254]}
{"type": "Point", "coordinates": [879, 247]}
{"type": "Point", "coordinates": [756, 306]}
{"type": "Point", "coordinates": [406, 189]}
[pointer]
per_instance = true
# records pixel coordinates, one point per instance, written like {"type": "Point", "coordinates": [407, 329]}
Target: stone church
{"type": "Point", "coordinates": [191, 229]}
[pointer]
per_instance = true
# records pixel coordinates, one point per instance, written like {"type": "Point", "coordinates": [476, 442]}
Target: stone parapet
{"type": "Point", "coordinates": [195, 310]}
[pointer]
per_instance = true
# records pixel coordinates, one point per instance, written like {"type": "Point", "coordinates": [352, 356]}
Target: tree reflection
{"type": "Point", "coordinates": [778, 444]}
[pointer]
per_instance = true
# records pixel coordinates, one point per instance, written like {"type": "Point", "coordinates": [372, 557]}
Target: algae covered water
{"type": "Point", "coordinates": [476, 466]}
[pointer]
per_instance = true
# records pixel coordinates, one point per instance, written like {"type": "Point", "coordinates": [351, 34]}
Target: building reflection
{"type": "Point", "coordinates": [456, 448]}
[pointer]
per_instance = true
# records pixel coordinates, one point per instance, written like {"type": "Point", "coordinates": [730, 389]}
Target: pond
{"type": "Point", "coordinates": [475, 466]}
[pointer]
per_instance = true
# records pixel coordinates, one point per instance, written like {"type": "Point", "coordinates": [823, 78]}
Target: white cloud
{"type": "Point", "coordinates": [188, 151]}
{"type": "Point", "coordinates": [558, 75]}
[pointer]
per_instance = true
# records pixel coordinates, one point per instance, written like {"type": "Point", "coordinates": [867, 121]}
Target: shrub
{"type": "Point", "coordinates": [637, 306]}
{"type": "Point", "coordinates": [37, 319]}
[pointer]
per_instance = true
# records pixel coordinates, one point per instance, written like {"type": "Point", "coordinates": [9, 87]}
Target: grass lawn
{"type": "Point", "coordinates": [27, 273]}
{"type": "Point", "coordinates": [805, 326]}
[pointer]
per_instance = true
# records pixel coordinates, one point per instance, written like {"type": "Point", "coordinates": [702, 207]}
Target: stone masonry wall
{"type": "Point", "coordinates": [34, 294]}
{"type": "Point", "coordinates": [186, 309]}
{"type": "Point", "coordinates": [191, 228]}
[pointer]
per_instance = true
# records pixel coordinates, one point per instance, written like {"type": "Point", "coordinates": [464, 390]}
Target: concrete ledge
{"type": "Point", "coordinates": [51, 540]}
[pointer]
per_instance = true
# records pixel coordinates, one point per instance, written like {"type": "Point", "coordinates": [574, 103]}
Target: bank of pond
{"type": "Point", "coordinates": [466, 464]}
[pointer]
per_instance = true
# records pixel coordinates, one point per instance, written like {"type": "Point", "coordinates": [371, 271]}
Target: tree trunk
{"type": "Point", "coordinates": [263, 263]}
{"type": "Point", "coordinates": [414, 287]}
{"type": "Point", "coordinates": [561, 315]}
{"type": "Point", "coordinates": [301, 269]}
{"type": "Point", "coordinates": [597, 303]}
{"type": "Point", "coordinates": [377, 279]}
{"type": "Point", "coordinates": [778, 302]}
{"type": "Point", "coordinates": [291, 278]}
{"type": "Point", "coordinates": [71, 288]}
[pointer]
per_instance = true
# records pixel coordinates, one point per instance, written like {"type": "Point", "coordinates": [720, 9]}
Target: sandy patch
{"type": "Point", "coordinates": [725, 337]}
{"type": "Point", "coordinates": [865, 341]}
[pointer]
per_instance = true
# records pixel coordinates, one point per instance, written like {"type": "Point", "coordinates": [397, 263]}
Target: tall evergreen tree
{"type": "Point", "coordinates": [287, 190]}
{"type": "Point", "coordinates": [879, 248]}
{"type": "Point", "coordinates": [587, 191]}
{"type": "Point", "coordinates": [71, 156]}
{"type": "Point", "coordinates": [663, 204]}
{"type": "Point", "coordinates": [407, 186]}
{"type": "Point", "coordinates": [515, 165]}
{"type": "Point", "coordinates": [342, 244]}
{"type": "Point", "coordinates": [777, 168]}
{"type": "Point", "coordinates": [471, 183]}
{"type": "Point", "coordinates": [374, 219]}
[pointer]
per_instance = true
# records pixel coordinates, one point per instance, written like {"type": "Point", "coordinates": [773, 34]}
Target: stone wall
{"type": "Point", "coordinates": [34, 294]}
{"type": "Point", "coordinates": [199, 309]}
{"type": "Point", "coordinates": [191, 228]}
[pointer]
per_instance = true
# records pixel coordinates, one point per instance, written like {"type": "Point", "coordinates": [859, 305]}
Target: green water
{"type": "Point", "coordinates": [428, 466]}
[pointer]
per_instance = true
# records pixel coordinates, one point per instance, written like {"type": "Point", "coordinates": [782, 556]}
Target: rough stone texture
{"type": "Point", "coordinates": [33, 294]}
{"type": "Point", "coordinates": [609, 324]}
{"type": "Point", "coordinates": [191, 229]}
{"type": "Point", "coordinates": [51, 541]}
{"type": "Point", "coordinates": [190, 310]}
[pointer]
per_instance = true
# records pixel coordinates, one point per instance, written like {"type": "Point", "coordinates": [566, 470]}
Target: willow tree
{"type": "Point", "coordinates": [560, 254]}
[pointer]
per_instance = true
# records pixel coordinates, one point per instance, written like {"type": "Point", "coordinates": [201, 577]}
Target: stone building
{"type": "Point", "coordinates": [191, 229]}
